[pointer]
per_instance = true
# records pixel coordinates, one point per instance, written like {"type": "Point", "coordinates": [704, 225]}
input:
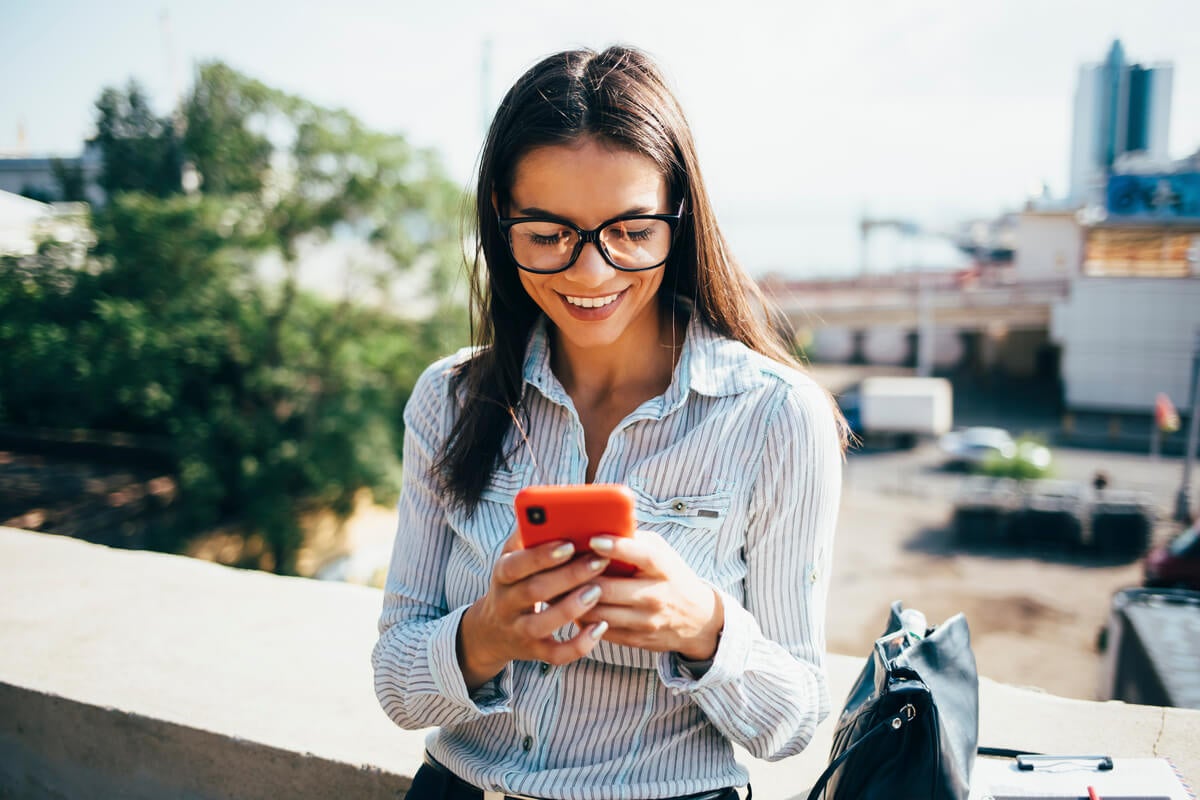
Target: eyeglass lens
{"type": "Point", "coordinates": [542, 245]}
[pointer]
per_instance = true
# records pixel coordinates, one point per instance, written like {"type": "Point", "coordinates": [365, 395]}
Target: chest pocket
{"type": "Point", "coordinates": [692, 524]}
{"type": "Point", "coordinates": [478, 537]}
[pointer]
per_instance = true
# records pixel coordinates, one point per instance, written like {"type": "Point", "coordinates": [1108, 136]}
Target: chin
{"type": "Point", "coordinates": [589, 335]}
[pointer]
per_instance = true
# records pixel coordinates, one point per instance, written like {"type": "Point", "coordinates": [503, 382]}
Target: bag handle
{"type": "Point", "coordinates": [894, 723]}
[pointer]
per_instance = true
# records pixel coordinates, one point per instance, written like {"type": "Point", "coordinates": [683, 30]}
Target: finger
{"type": "Point", "coordinates": [647, 551]}
{"type": "Point", "coordinates": [519, 564]}
{"type": "Point", "coordinates": [551, 585]}
{"type": "Point", "coordinates": [635, 591]}
{"type": "Point", "coordinates": [575, 648]}
{"type": "Point", "coordinates": [621, 620]}
{"type": "Point", "coordinates": [512, 543]}
{"type": "Point", "coordinates": [556, 615]}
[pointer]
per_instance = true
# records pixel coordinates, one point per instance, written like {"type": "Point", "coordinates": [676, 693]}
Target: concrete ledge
{"type": "Point", "coordinates": [54, 747]}
{"type": "Point", "coordinates": [142, 675]}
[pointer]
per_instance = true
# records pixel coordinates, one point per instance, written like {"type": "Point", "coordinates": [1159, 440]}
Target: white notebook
{"type": "Point", "coordinates": [1129, 779]}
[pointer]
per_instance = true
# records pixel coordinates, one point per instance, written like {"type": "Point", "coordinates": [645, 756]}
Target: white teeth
{"type": "Point", "coordinates": [591, 302]}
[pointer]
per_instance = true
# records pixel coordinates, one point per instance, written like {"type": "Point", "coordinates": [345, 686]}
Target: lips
{"type": "Point", "coordinates": [594, 308]}
{"type": "Point", "coordinates": [591, 302]}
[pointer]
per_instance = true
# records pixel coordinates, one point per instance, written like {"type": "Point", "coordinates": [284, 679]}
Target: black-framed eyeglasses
{"type": "Point", "coordinates": [632, 243]}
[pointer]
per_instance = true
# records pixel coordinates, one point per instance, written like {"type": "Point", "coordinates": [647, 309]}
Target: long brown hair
{"type": "Point", "coordinates": [619, 96]}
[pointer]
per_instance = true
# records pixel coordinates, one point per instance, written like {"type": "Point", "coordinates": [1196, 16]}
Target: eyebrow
{"type": "Point", "coordinates": [534, 211]}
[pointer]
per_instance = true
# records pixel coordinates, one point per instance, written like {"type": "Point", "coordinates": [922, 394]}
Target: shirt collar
{"type": "Point", "coordinates": [709, 364]}
{"type": "Point", "coordinates": [536, 369]}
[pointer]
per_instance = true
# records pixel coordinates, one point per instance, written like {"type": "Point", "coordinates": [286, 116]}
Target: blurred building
{"type": "Point", "coordinates": [1131, 321]}
{"type": "Point", "coordinates": [41, 177]}
{"type": "Point", "coordinates": [20, 219]}
{"type": "Point", "coordinates": [1120, 108]}
{"type": "Point", "coordinates": [24, 223]}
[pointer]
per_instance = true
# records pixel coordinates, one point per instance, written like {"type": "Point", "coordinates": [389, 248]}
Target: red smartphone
{"type": "Point", "coordinates": [576, 513]}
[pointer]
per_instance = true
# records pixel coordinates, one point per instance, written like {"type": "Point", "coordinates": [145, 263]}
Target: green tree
{"type": "Point", "coordinates": [274, 401]}
{"type": "Point", "coordinates": [220, 140]}
{"type": "Point", "coordinates": [69, 177]}
{"type": "Point", "coordinates": [139, 151]}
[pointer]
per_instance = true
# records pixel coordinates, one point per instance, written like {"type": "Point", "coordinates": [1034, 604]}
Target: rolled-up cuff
{"type": "Point", "coordinates": [727, 664]}
{"type": "Point", "coordinates": [493, 697]}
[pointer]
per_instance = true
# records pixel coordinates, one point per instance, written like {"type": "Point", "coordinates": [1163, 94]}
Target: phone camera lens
{"type": "Point", "coordinates": [536, 514]}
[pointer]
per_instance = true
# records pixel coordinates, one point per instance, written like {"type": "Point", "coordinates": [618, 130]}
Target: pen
{"type": "Point", "coordinates": [1092, 793]}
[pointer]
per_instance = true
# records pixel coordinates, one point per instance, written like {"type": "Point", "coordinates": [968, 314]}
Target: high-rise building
{"type": "Point", "coordinates": [1120, 108]}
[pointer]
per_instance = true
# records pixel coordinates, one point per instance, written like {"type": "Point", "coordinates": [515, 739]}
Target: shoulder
{"type": "Point", "coordinates": [787, 397]}
{"type": "Point", "coordinates": [755, 371]}
{"type": "Point", "coordinates": [434, 388]}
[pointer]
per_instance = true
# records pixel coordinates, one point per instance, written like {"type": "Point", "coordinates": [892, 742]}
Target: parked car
{"type": "Point", "coordinates": [972, 447]}
{"type": "Point", "coordinates": [994, 452]}
{"type": "Point", "coordinates": [1176, 563]}
{"type": "Point", "coordinates": [1151, 646]}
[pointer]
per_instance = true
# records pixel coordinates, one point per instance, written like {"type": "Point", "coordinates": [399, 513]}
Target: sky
{"type": "Point", "coordinates": [806, 114]}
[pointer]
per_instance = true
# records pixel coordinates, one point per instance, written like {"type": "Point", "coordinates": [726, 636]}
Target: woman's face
{"type": "Point", "coordinates": [592, 304]}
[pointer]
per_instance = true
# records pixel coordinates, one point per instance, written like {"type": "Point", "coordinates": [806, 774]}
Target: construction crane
{"type": "Point", "coordinates": [867, 225]}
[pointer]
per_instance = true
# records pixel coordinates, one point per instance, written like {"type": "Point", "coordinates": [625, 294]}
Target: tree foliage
{"type": "Point", "coordinates": [273, 400]}
{"type": "Point", "coordinates": [140, 151]}
{"type": "Point", "coordinates": [71, 183]}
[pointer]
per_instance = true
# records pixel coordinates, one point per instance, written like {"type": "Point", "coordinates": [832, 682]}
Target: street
{"type": "Point", "coordinates": [1034, 616]}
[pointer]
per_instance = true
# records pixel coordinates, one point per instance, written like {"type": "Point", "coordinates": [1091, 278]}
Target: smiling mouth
{"type": "Point", "coordinates": [591, 302]}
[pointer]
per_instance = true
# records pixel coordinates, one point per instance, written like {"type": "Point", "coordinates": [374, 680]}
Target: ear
{"type": "Point", "coordinates": [496, 203]}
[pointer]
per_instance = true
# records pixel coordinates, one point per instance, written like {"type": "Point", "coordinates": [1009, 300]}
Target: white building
{"type": "Point", "coordinates": [24, 223]}
{"type": "Point", "coordinates": [20, 221]}
{"type": "Point", "coordinates": [1125, 339]}
{"type": "Point", "coordinates": [1130, 321]}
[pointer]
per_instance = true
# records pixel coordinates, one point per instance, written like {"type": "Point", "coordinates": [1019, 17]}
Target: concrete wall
{"type": "Point", "coordinates": [1126, 339]}
{"type": "Point", "coordinates": [139, 675]}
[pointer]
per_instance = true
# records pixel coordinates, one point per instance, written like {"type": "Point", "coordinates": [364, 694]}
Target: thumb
{"type": "Point", "coordinates": [512, 543]}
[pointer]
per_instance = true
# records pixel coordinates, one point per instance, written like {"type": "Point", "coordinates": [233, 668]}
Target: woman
{"type": "Point", "coordinates": [618, 343]}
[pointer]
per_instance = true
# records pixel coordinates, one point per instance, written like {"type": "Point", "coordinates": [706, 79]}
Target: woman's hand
{"type": "Point", "coordinates": [532, 594]}
{"type": "Point", "coordinates": [663, 607]}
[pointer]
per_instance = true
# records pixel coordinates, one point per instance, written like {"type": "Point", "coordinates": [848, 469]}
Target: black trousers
{"type": "Point", "coordinates": [435, 782]}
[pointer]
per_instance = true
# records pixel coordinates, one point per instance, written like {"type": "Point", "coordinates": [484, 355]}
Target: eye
{"type": "Point", "coordinates": [541, 233]}
{"type": "Point", "coordinates": [547, 240]}
{"type": "Point", "coordinates": [634, 230]}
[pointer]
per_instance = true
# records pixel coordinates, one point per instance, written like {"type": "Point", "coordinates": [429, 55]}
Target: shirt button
{"type": "Point", "coordinates": [814, 576]}
{"type": "Point", "coordinates": [680, 506]}
{"type": "Point", "coordinates": [527, 743]}
{"type": "Point", "coordinates": [545, 667]}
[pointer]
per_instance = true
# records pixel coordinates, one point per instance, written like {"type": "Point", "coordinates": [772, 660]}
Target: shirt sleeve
{"type": "Point", "coordinates": [418, 679]}
{"type": "Point", "coordinates": [766, 689]}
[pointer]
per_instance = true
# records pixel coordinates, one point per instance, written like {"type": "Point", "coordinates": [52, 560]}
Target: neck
{"type": "Point", "coordinates": [641, 361]}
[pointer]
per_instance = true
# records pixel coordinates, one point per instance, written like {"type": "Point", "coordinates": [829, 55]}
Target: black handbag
{"type": "Point", "coordinates": [910, 726]}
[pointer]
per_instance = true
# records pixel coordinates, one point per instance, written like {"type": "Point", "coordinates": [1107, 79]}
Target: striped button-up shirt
{"type": "Point", "coordinates": [738, 466]}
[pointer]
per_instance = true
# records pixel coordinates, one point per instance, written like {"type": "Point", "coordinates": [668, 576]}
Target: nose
{"type": "Point", "coordinates": [590, 270]}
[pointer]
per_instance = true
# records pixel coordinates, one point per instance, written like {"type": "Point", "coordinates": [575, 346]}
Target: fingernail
{"type": "Point", "coordinates": [597, 564]}
{"type": "Point", "coordinates": [590, 596]}
{"type": "Point", "coordinates": [601, 544]}
{"type": "Point", "coordinates": [562, 551]}
{"type": "Point", "coordinates": [598, 629]}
